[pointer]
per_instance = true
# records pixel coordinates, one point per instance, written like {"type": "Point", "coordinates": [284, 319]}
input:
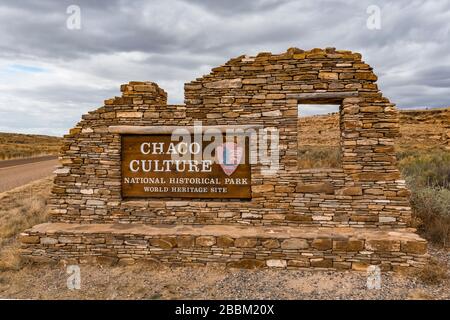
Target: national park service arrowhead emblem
{"type": "Point", "coordinates": [229, 156]}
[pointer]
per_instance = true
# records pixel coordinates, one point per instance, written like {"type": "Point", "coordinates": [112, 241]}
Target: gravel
{"type": "Point", "coordinates": [144, 281]}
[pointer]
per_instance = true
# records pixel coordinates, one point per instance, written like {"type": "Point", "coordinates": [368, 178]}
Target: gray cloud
{"type": "Point", "coordinates": [174, 41]}
{"type": "Point", "coordinates": [236, 7]}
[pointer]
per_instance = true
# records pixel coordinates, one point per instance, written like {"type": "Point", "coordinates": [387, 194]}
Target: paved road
{"type": "Point", "coordinates": [14, 173]}
{"type": "Point", "coordinates": [16, 162]}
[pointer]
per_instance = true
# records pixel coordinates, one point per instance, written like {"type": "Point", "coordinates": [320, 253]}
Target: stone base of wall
{"type": "Point", "coordinates": [233, 246]}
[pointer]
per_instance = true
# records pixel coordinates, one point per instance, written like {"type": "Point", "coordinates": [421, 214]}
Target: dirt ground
{"type": "Point", "coordinates": [145, 281]}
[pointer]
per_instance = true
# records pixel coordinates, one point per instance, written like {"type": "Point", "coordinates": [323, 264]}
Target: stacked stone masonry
{"type": "Point", "coordinates": [367, 193]}
{"type": "Point", "coordinates": [233, 246]}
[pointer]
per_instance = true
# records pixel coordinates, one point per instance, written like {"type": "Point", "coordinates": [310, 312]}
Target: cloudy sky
{"type": "Point", "coordinates": [50, 74]}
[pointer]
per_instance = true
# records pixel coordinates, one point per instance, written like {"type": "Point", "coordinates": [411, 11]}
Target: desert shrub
{"type": "Point", "coordinates": [431, 205]}
{"type": "Point", "coordinates": [319, 157]}
{"type": "Point", "coordinates": [426, 169]}
{"type": "Point", "coordinates": [428, 177]}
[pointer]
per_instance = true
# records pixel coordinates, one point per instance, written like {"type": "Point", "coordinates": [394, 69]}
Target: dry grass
{"type": "Point", "coordinates": [310, 157]}
{"type": "Point", "coordinates": [10, 257]}
{"type": "Point", "coordinates": [14, 146]}
{"type": "Point", "coordinates": [20, 209]}
{"type": "Point", "coordinates": [28, 210]}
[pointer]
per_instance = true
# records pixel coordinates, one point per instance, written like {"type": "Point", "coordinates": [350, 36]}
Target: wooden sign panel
{"type": "Point", "coordinates": [155, 166]}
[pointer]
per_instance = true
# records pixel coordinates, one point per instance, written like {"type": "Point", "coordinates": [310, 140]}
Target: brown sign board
{"type": "Point", "coordinates": [154, 166]}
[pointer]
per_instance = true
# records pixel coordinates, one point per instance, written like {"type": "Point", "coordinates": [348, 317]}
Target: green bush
{"type": "Point", "coordinates": [428, 177]}
{"type": "Point", "coordinates": [431, 205]}
{"type": "Point", "coordinates": [429, 169]}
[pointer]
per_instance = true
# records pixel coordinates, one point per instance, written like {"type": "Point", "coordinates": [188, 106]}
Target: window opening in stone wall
{"type": "Point", "coordinates": [318, 136]}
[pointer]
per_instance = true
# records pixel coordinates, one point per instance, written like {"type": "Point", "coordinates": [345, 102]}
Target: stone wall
{"type": "Point", "coordinates": [233, 246]}
{"type": "Point", "coordinates": [341, 218]}
{"type": "Point", "coordinates": [265, 90]}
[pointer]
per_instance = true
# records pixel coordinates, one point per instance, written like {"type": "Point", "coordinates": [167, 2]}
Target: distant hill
{"type": "Point", "coordinates": [421, 130]}
{"type": "Point", "coordinates": [15, 145]}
